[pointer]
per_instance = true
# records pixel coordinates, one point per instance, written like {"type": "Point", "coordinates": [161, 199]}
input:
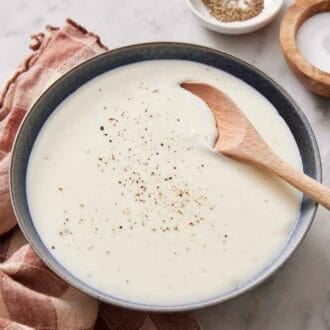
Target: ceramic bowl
{"type": "Point", "coordinates": [268, 14]}
{"type": "Point", "coordinates": [67, 84]}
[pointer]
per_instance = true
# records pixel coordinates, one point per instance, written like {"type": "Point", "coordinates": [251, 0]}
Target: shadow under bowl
{"type": "Point", "coordinates": [86, 71]}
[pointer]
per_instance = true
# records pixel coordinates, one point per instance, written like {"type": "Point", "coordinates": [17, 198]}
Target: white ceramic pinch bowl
{"type": "Point", "coordinates": [271, 9]}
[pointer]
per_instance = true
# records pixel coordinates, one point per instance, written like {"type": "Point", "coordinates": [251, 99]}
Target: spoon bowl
{"type": "Point", "coordinates": [238, 139]}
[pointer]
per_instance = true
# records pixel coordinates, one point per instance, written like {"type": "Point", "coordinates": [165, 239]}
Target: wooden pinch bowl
{"type": "Point", "coordinates": [312, 78]}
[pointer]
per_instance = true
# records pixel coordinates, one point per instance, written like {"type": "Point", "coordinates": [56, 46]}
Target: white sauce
{"type": "Point", "coordinates": [313, 39]}
{"type": "Point", "coordinates": [126, 192]}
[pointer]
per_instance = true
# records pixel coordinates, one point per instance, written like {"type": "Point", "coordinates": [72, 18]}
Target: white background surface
{"type": "Point", "coordinates": [298, 296]}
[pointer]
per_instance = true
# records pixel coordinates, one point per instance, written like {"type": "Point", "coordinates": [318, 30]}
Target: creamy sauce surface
{"type": "Point", "coordinates": [126, 191]}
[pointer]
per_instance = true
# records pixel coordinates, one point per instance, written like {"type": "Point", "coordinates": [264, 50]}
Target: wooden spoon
{"type": "Point", "coordinates": [238, 139]}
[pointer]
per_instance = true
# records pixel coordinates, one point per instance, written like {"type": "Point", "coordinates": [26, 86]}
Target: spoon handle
{"type": "Point", "coordinates": [310, 187]}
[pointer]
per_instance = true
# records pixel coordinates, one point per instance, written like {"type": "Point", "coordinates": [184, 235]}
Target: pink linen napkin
{"type": "Point", "coordinates": [31, 296]}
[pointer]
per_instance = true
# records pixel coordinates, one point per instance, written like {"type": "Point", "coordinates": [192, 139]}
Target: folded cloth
{"type": "Point", "coordinates": [31, 296]}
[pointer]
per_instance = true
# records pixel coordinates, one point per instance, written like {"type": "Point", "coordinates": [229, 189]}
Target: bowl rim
{"type": "Point", "coordinates": [150, 307]}
{"type": "Point", "coordinates": [238, 27]}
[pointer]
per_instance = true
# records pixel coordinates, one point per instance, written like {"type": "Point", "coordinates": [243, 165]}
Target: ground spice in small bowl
{"type": "Point", "coordinates": [234, 10]}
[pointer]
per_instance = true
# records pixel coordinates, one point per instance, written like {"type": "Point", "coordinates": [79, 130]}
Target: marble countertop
{"type": "Point", "coordinates": [298, 296]}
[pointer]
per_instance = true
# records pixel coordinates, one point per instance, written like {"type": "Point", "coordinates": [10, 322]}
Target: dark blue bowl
{"type": "Point", "coordinates": [63, 87]}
